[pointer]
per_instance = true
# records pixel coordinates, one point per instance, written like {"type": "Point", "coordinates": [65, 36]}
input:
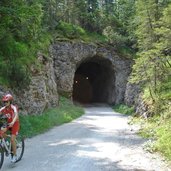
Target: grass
{"type": "Point", "coordinates": [163, 143]}
{"type": "Point", "coordinates": [75, 32]}
{"type": "Point", "coordinates": [121, 108]}
{"type": "Point", "coordinates": [32, 125]}
{"type": "Point", "coordinates": [70, 32]}
{"type": "Point", "coordinates": [158, 131]}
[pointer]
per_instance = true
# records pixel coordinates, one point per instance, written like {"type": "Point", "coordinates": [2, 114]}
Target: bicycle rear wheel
{"type": "Point", "coordinates": [1, 155]}
{"type": "Point", "coordinates": [20, 147]}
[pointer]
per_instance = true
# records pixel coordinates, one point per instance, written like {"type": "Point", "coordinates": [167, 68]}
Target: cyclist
{"type": "Point", "coordinates": [11, 112]}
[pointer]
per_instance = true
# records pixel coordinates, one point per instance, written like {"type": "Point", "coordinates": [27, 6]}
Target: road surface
{"type": "Point", "coordinates": [100, 140]}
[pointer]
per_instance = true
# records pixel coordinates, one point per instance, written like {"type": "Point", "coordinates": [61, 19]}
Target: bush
{"type": "Point", "coordinates": [121, 108]}
{"type": "Point", "coordinates": [69, 30]}
{"type": "Point", "coordinates": [13, 68]}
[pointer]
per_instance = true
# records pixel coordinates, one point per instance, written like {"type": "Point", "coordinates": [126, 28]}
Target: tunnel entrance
{"type": "Point", "coordinates": [94, 82]}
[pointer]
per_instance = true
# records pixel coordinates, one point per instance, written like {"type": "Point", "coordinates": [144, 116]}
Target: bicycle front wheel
{"type": "Point", "coordinates": [1, 155]}
{"type": "Point", "coordinates": [20, 147]}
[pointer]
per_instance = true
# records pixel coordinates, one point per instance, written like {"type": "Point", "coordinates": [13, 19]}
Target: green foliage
{"type": "Point", "coordinates": [147, 127]}
{"type": "Point", "coordinates": [12, 68]}
{"type": "Point", "coordinates": [158, 133]}
{"type": "Point", "coordinates": [32, 125]}
{"type": "Point", "coordinates": [165, 90]}
{"type": "Point", "coordinates": [115, 38]}
{"type": "Point", "coordinates": [163, 143]}
{"type": "Point", "coordinates": [94, 37]}
{"type": "Point", "coordinates": [121, 108]}
{"type": "Point", "coordinates": [96, 17]}
{"type": "Point", "coordinates": [152, 67]}
{"type": "Point", "coordinates": [69, 30]}
{"type": "Point", "coordinates": [94, 21]}
{"type": "Point", "coordinates": [20, 41]}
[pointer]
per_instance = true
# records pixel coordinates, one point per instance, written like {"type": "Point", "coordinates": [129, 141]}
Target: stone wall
{"type": "Point", "coordinates": [69, 56]}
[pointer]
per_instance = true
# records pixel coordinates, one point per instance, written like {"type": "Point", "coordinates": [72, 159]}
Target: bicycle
{"type": "Point", "coordinates": [6, 147]}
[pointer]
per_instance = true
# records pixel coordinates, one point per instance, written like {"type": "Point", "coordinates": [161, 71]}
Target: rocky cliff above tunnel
{"type": "Point", "coordinates": [85, 72]}
{"type": "Point", "coordinates": [90, 73]}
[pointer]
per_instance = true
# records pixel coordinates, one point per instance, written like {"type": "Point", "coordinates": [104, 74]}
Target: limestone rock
{"type": "Point", "coordinates": [69, 56]}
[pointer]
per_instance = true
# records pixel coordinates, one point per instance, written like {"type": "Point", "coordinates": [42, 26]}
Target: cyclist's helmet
{"type": "Point", "coordinates": [7, 97]}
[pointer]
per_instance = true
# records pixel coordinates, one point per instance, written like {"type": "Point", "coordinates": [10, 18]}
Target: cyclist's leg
{"type": "Point", "coordinates": [3, 132]}
{"type": "Point", "coordinates": [13, 143]}
{"type": "Point", "coordinates": [14, 133]}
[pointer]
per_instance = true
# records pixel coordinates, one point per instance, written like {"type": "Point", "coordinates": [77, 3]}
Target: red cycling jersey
{"type": "Point", "coordinates": [9, 112]}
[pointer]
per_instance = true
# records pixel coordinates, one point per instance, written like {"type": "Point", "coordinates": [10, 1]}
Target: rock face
{"type": "Point", "coordinates": [42, 91]}
{"type": "Point", "coordinates": [86, 73]}
{"type": "Point", "coordinates": [132, 94]}
{"type": "Point", "coordinates": [106, 71]}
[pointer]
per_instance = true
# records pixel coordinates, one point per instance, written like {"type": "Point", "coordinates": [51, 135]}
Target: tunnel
{"type": "Point", "coordinates": [94, 82]}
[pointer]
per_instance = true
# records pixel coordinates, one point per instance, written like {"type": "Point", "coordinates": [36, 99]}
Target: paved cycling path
{"type": "Point", "coordinates": [100, 140]}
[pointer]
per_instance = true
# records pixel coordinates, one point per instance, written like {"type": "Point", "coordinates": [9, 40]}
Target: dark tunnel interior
{"type": "Point", "coordinates": [94, 79]}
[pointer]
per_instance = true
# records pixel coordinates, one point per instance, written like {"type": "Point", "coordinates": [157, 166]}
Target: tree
{"type": "Point", "coordinates": [152, 67]}
{"type": "Point", "coordinates": [17, 39]}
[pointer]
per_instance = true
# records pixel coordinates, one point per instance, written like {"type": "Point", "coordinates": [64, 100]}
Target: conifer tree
{"type": "Point", "coordinates": [151, 66]}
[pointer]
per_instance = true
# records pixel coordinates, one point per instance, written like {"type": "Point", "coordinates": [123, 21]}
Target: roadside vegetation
{"type": "Point", "coordinates": [121, 108]}
{"type": "Point", "coordinates": [32, 125]}
{"type": "Point", "coordinates": [156, 129]}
